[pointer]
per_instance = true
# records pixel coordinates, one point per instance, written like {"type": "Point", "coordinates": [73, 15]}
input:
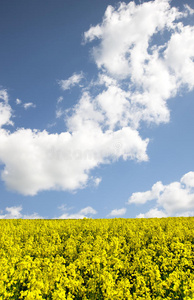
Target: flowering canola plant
{"type": "Point", "coordinates": [97, 259]}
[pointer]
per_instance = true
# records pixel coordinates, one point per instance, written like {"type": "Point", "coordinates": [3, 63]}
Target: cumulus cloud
{"type": "Point", "coordinates": [127, 52]}
{"type": "Point", "coordinates": [176, 198]}
{"type": "Point", "coordinates": [136, 74]}
{"type": "Point", "coordinates": [117, 212]}
{"type": "Point", "coordinates": [143, 197]}
{"type": "Point", "coordinates": [188, 179]}
{"type": "Point", "coordinates": [153, 213]}
{"type": "Point", "coordinates": [125, 33]}
{"type": "Point", "coordinates": [83, 213]}
{"type": "Point", "coordinates": [43, 161]}
{"type": "Point", "coordinates": [71, 81]}
{"type": "Point", "coordinates": [15, 212]}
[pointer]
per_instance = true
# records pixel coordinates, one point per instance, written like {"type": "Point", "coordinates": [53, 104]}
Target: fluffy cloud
{"type": "Point", "coordinates": [43, 161]}
{"type": "Point", "coordinates": [15, 212]}
{"type": "Point", "coordinates": [143, 197]}
{"type": "Point", "coordinates": [176, 198]}
{"type": "Point", "coordinates": [180, 59]}
{"type": "Point", "coordinates": [125, 33]}
{"type": "Point", "coordinates": [71, 81]}
{"type": "Point", "coordinates": [117, 212]}
{"type": "Point", "coordinates": [83, 213]}
{"type": "Point", "coordinates": [127, 52]}
{"type": "Point", "coordinates": [135, 77]}
{"type": "Point", "coordinates": [153, 213]}
{"type": "Point", "coordinates": [188, 179]}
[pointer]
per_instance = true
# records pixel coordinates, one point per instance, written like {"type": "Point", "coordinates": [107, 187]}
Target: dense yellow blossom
{"type": "Point", "coordinates": [97, 259]}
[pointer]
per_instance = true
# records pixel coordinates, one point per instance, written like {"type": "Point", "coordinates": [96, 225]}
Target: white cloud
{"type": "Point", "coordinates": [5, 114]}
{"type": "Point", "coordinates": [83, 213]}
{"type": "Point", "coordinates": [188, 179]}
{"type": "Point", "coordinates": [176, 198]}
{"type": "Point", "coordinates": [153, 213]}
{"type": "Point", "coordinates": [121, 112]}
{"type": "Point", "coordinates": [28, 105]}
{"type": "Point", "coordinates": [5, 109]}
{"type": "Point", "coordinates": [18, 101]}
{"type": "Point", "coordinates": [180, 59]}
{"type": "Point", "coordinates": [88, 120]}
{"type": "Point", "coordinates": [93, 33]}
{"type": "Point", "coordinates": [143, 197]}
{"type": "Point", "coordinates": [4, 95]}
{"type": "Point", "coordinates": [59, 112]}
{"type": "Point", "coordinates": [15, 212]}
{"type": "Point", "coordinates": [50, 125]}
{"type": "Point", "coordinates": [43, 161]}
{"type": "Point", "coordinates": [97, 181]}
{"type": "Point", "coordinates": [127, 51]}
{"type": "Point", "coordinates": [117, 212]}
{"type": "Point", "coordinates": [32, 216]}
{"type": "Point", "coordinates": [190, 10]}
{"type": "Point", "coordinates": [60, 99]}
{"type": "Point", "coordinates": [71, 81]}
{"type": "Point", "coordinates": [125, 34]}
{"type": "Point", "coordinates": [88, 210]}
{"type": "Point", "coordinates": [135, 78]}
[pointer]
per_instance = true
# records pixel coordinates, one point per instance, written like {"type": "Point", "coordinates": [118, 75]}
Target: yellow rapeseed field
{"type": "Point", "coordinates": [97, 259]}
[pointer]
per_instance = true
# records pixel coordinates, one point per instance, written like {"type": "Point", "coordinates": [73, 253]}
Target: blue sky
{"type": "Point", "coordinates": [96, 109]}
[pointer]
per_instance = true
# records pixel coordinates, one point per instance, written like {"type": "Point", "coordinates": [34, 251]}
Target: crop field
{"type": "Point", "coordinates": [97, 259]}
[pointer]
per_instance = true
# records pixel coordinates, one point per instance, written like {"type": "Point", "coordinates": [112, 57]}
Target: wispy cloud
{"type": "Point", "coordinates": [83, 213]}
{"type": "Point", "coordinates": [29, 105]}
{"type": "Point", "coordinates": [4, 95]}
{"type": "Point", "coordinates": [71, 81]}
{"type": "Point", "coordinates": [97, 181]}
{"type": "Point", "coordinates": [60, 99]}
{"type": "Point", "coordinates": [59, 112]}
{"type": "Point", "coordinates": [18, 101]}
{"type": "Point", "coordinates": [25, 105]}
{"type": "Point", "coordinates": [5, 109]}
